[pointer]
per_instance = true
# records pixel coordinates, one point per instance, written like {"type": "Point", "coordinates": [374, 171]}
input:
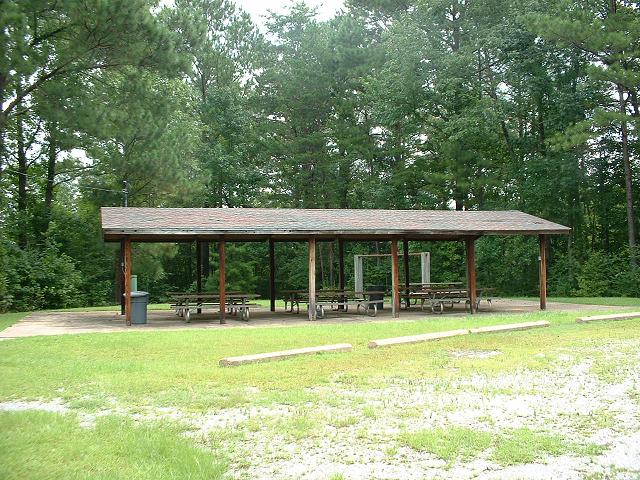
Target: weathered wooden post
{"type": "Point", "coordinates": [407, 277]}
{"type": "Point", "coordinates": [198, 270]}
{"type": "Point", "coordinates": [223, 306]}
{"type": "Point", "coordinates": [341, 264]}
{"type": "Point", "coordinates": [543, 271]}
{"type": "Point", "coordinates": [470, 248]}
{"type": "Point", "coordinates": [121, 274]}
{"type": "Point", "coordinates": [395, 280]}
{"type": "Point", "coordinates": [341, 269]}
{"type": "Point", "coordinates": [312, 278]}
{"type": "Point", "coordinates": [127, 279]}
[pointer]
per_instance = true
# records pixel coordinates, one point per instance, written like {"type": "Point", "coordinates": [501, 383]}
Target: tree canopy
{"type": "Point", "coordinates": [434, 104]}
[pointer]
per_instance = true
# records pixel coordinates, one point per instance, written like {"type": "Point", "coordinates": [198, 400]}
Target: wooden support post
{"type": "Point", "coordinates": [272, 275]}
{"type": "Point", "coordinates": [470, 247]}
{"type": "Point", "coordinates": [395, 280]}
{"type": "Point", "coordinates": [127, 279]}
{"type": "Point", "coordinates": [199, 269]}
{"type": "Point", "coordinates": [341, 264]}
{"type": "Point", "coordinates": [405, 253]}
{"type": "Point", "coordinates": [121, 273]}
{"type": "Point", "coordinates": [222, 287]}
{"type": "Point", "coordinates": [312, 278]}
{"type": "Point", "coordinates": [543, 272]}
{"type": "Point", "coordinates": [341, 268]}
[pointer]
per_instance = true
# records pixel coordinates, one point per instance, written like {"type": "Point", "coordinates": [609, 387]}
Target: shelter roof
{"type": "Point", "coordinates": [187, 224]}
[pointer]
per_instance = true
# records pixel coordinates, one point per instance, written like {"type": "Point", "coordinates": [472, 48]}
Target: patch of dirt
{"type": "Point", "coordinates": [354, 431]}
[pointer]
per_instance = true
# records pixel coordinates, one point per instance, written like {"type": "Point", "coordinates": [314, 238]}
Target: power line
{"type": "Point", "coordinates": [51, 181]}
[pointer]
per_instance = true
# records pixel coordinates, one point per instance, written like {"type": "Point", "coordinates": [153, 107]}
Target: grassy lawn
{"type": "Point", "coordinates": [8, 319]}
{"type": "Point", "coordinates": [612, 301]}
{"type": "Point", "coordinates": [49, 445]}
{"type": "Point", "coordinates": [180, 368]}
{"type": "Point", "coordinates": [136, 371]}
{"type": "Point", "coordinates": [514, 447]}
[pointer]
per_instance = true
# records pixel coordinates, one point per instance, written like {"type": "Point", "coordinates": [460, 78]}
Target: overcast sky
{"type": "Point", "coordinates": [259, 8]}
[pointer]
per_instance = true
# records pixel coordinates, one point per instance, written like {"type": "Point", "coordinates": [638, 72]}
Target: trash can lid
{"type": "Point", "coordinates": [139, 294]}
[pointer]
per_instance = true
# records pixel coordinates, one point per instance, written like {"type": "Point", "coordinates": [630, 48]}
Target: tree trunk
{"type": "Point", "coordinates": [628, 179]}
{"type": "Point", "coordinates": [2, 145]}
{"type": "Point", "coordinates": [540, 124]}
{"type": "Point", "coordinates": [344, 177]}
{"type": "Point", "coordinates": [22, 166]}
{"type": "Point", "coordinates": [22, 183]}
{"type": "Point", "coordinates": [51, 176]}
{"type": "Point", "coordinates": [3, 121]}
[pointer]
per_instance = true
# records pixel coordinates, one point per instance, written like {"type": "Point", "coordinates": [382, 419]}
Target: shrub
{"type": "Point", "coordinates": [38, 277]}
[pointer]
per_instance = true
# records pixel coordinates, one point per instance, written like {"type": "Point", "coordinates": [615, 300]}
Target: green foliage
{"type": "Point", "coordinates": [467, 105]}
{"type": "Point", "coordinates": [43, 445]}
{"type": "Point", "coordinates": [455, 443]}
{"type": "Point", "coordinates": [39, 277]}
{"type": "Point", "coordinates": [604, 275]}
{"type": "Point", "coordinates": [526, 446]}
{"type": "Point", "coordinates": [513, 447]}
{"type": "Point", "coordinates": [596, 277]}
{"type": "Point", "coordinates": [240, 268]}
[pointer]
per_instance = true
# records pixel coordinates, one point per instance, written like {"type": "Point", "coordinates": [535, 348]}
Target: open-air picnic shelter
{"type": "Point", "coordinates": [221, 225]}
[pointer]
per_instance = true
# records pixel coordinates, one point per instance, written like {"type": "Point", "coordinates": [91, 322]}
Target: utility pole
{"type": "Point", "coordinates": [126, 193]}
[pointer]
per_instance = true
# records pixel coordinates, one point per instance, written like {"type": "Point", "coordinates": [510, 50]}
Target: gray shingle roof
{"type": "Point", "coordinates": [186, 223]}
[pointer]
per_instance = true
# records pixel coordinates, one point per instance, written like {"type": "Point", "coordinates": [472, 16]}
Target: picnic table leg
{"type": "Point", "coordinates": [244, 314]}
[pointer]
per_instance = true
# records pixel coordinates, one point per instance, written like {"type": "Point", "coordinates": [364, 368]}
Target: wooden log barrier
{"type": "Point", "coordinates": [281, 355]}
{"type": "Point", "coordinates": [427, 337]}
{"type": "Point", "coordinates": [511, 327]}
{"type": "Point", "coordinates": [615, 316]}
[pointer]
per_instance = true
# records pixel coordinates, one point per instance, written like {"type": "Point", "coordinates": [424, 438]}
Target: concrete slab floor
{"type": "Point", "coordinates": [62, 323]}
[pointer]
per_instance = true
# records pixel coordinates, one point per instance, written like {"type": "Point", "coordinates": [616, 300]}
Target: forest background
{"type": "Point", "coordinates": [437, 104]}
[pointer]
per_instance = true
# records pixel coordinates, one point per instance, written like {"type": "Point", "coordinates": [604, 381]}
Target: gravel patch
{"type": "Point", "coordinates": [475, 353]}
{"type": "Point", "coordinates": [354, 431]}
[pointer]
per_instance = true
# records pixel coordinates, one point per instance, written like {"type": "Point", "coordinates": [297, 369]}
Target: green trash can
{"type": "Point", "coordinates": [139, 302]}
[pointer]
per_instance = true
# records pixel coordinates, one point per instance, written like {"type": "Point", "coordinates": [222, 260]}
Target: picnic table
{"type": "Point", "coordinates": [440, 297]}
{"type": "Point", "coordinates": [236, 302]}
{"type": "Point", "coordinates": [418, 287]}
{"type": "Point", "coordinates": [332, 299]}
